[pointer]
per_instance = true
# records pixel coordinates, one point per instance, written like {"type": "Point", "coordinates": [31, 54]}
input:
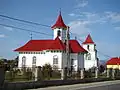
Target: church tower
{"type": "Point", "coordinates": [91, 57]}
{"type": "Point", "coordinates": [59, 28]}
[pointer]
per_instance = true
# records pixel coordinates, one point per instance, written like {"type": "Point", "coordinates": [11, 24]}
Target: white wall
{"type": "Point", "coordinates": [93, 62]}
{"type": "Point", "coordinates": [41, 59]}
{"type": "Point", "coordinates": [47, 58]}
{"type": "Point", "coordinates": [63, 33]}
{"type": "Point", "coordinates": [78, 60]}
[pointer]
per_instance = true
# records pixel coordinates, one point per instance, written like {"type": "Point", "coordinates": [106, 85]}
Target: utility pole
{"type": "Point", "coordinates": [64, 71]}
{"type": "Point", "coordinates": [67, 48]}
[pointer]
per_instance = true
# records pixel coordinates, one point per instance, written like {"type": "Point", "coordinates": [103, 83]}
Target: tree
{"type": "Point", "coordinates": [47, 71]}
{"type": "Point", "coordinates": [101, 68]}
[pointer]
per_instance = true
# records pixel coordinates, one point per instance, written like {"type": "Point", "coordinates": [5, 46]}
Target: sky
{"type": "Point", "coordinates": [100, 18]}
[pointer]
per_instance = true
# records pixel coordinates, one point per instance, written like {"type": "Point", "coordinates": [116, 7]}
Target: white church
{"type": "Point", "coordinates": [59, 52]}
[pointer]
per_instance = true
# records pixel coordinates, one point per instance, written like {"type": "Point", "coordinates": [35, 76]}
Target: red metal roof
{"type": "Point", "coordinates": [75, 47]}
{"type": "Point", "coordinates": [59, 23]}
{"type": "Point", "coordinates": [113, 61]}
{"type": "Point", "coordinates": [88, 40]}
{"type": "Point", "coordinates": [39, 45]}
{"type": "Point", "coordinates": [57, 44]}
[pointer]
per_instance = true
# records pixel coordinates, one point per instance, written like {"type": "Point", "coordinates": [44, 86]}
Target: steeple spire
{"type": "Point", "coordinates": [59, 22]}
{"type": "Point", "coordinates": [88, 40]}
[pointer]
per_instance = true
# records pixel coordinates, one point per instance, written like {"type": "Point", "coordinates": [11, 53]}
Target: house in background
{"type": "Point", "coordinates": [53, 51]}
{"type": "Point", "coordinates": [113, 63]}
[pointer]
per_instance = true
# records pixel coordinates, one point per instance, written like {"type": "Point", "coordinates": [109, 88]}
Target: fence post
{"type": "Point", "coordinates": [82, 73]}
{"type": "Point", "coordinates": [78, 73]}
{"type": "Point", "coordinates": [96, 72]}
{"type": "Point", "coordinates": [113, 73]}
{"type": "Point", "coordinates": [36, 73]}
{"type": "Point", "coordinates": [39, 73]}
{"type": "Point", "coordinates": [108, 72]}
{"type": "Point", "coordinates": [2, 76]}
{"type": "Point", "coordinates": [65, 73]}
{"type": "Point", "coordinates": [62, 74]}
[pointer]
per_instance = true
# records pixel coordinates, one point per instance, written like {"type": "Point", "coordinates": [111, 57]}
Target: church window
{"type": "Point", "coordinates": [34, 60]}
{"type": "Point", "coordinates": [59, 33]}
{"type": "Point", "coordinates": [88, 47]}
{"type": "Point", "coordinates": [23, 61]}
{"type": "Point", "coordinates": [55, 59]}
{"type": "Point", "coordinates": [89, 56]}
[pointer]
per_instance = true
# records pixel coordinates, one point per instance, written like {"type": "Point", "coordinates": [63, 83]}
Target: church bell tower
{"type": "Point", "coordinates": [59, 28]}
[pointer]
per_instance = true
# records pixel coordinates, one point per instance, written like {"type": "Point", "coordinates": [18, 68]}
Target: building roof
{"type": "Point", "coordinates": [114, 61]}
{"type": "Point", "coordinates": [59, 23]}
{"type": "Point", "coordinates": [75, 47]}
{"type": "Point", "coordinates": [88, 40]}
{"type": "Point", "coordinates": [39, 45]}
{"type": "Point", "coordinates": [57, 44]}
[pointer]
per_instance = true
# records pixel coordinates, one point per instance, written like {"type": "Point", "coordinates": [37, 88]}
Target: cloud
{"type": "Point", "coordinates": [71, 14]}
{"type": "Point", "coordinates": [79, 27]}
{"type": "Point", "coordinates": [9, 28]}
{"type": "Point", "coordinates": [114, 17]}
{"type": "Point", "coordinates": [81, 3]}
{"type": "Point", "coordinates": [94, 18]}
{"type": "Point", "coordinates": [2, 35]}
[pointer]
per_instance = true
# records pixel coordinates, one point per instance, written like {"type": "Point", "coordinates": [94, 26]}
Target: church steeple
{"type": "Point", "coordinates": [59, 22]}
{"type": "Point", "coordinates": [88, 40]}
{"type": "Point", "coordinates": [59, 28]}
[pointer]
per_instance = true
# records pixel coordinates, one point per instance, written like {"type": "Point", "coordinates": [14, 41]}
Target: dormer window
{"type": "Point", "coordinates": [59, 33]}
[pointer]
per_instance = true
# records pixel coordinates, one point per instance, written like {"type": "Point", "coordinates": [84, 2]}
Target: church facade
{"type": "Point", "coordinates": [59, 52]}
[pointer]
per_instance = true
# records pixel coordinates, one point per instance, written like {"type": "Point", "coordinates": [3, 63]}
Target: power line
{"type": "Point", "coordinates": [104, 54]}
{"type": "Point", "coordinates": [25, 29]}
{"type": "Point", "coordinates": [25, 21]}
{"type": "Point", "coordinates": [30, 22]}
{"type": "Point", "coordinates": [76, 36]}
{"type": "Point", "coordinates": [97, 50]}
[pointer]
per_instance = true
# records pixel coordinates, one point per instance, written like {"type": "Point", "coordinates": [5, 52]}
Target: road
{"type": "Point", "coordinates": [107, 85]}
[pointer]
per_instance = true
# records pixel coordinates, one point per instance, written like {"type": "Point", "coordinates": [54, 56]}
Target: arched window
{"type": "Point", "coordinates": [23, 61]}
{"type": "Point", "coordinates": [55, 59]}
{"type": "Point", "coordinates": [88, 47]}
{"type": "Point", "coordinates": [34, 60]}
{"type": "Point", "coordinates": [59, 33]}
{"type": "Point", "coordinates": [89, 56]}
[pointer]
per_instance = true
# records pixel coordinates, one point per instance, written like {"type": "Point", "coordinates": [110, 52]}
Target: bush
{"type": "Point", "coordinates": [46, 71]}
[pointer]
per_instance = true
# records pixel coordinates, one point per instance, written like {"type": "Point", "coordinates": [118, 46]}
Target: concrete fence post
{"type": "Point", "coordinates": [36, 73]}
{"type": "Point", "coordinates": [108, 72]}
{"type": "Point", "coordinates": [113, 73]}
{"type": "Point", "coordinates": [96, 72]}
{"type": "Point", "coordinates": [81, 73]}
{"type": "Point", "coordinates": [39, 73]}
{"type": "Point", "coordinates": [62, 74]}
